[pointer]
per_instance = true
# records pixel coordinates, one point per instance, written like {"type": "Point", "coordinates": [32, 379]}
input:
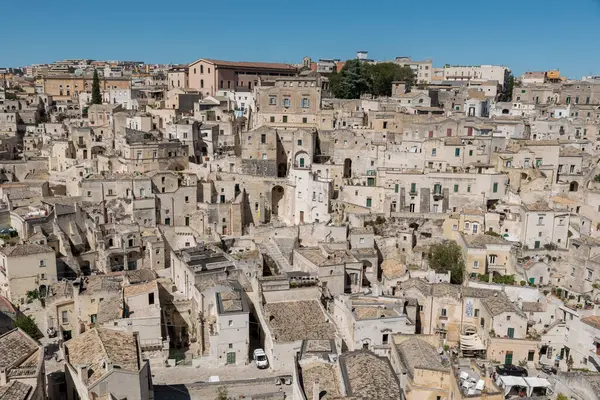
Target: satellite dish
{"type": "Point", "coordinates": [79, 72]}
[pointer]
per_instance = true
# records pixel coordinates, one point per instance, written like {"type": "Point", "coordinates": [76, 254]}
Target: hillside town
{"type": "Point", "coordinates": [353, 229]}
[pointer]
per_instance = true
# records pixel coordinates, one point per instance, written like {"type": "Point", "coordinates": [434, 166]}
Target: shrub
{"type": "Point", "coordinates": [27, 324]}
{"type": "Point", "coordinates": [523, 283]}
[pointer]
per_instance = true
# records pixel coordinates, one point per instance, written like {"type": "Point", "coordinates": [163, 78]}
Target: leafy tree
{"type": "Point", "coordinates": [382, 75]}
{"type": "Point", "coordinates": [352, 81]}
{"type": "Point", "coordinates": [27, 324]}
{"type": "Point", "coordinates": [357, 78]}
{"type": "Point", "coordinates": [507, 93]}
{"type": "Point", "coordinates": [448, 256]}
{"type": "Point", "coordinates": [96, 96]}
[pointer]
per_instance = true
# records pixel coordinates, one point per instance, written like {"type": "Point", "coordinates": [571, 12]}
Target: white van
{"type": "Point", "coordinates": [260, 358]}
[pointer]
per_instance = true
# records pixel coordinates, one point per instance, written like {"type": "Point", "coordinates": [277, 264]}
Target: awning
{"type": "Point", "coordinates": [471, 342]}
{"type": "Point", "coordinates": [507, 382]}
{"type": "Point", "coordinates": [535, 382]}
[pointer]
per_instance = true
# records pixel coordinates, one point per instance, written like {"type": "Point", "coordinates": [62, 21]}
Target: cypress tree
{"type": "Point", "coordinates": [96, 96]}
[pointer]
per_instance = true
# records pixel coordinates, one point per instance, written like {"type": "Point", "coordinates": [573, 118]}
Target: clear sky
{"type": "Point", "coordinates": [522, 34]}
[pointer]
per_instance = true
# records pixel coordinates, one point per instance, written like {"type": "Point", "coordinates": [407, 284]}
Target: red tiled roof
{"type": "Point", "coordinates": [247, 64]}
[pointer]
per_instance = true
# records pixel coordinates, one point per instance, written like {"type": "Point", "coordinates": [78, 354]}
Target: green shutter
{"type": "Point", "coordinates": [396, 188]}
{"type": "Point", "coordinates": [455, 188]}
{"type": "Point", "coordinates": [495, 189]}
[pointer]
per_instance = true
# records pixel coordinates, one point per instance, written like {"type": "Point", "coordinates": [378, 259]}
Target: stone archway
{"type": "Point", "coordinates": [573, 186]}
{"type": "Point", "coordinates": [176, 166]}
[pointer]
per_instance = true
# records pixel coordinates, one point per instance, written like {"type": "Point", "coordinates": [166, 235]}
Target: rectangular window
{"type": "Point", "coordinates": [139, 155]}
{"type": "Point", "coordinates": [413, 188]}
{"type": "Point", "coordinates": [475, 264]}
{"type": "Point", "coordinates": [510, 333]}
{"type": "Point", "coordinates": [304, 120]}
{"type": "Point", "coordinates": [64, 317]}
{"type": "Point", "coordinates": [433, 152]}
{"type": "Point", "coordinates": [468, 188]}
{"type": "Point", "coordinates": [530, 355]}
{"type": "Point", "coordinates": [449, 132]}
{"type": "Point", "coordinates": [271, 119]}
{"type": "Point", "coordinates": [305, 102]}
{"type": "Point", "coordinates": [187, 221]}
{"type": "Point", "coordinates": [444, 312]}
{"type": "Point", "coordinates": [263, 138]}
{"type": "Point", "coordinates": [476, 312]}
{"type": "Point", "coordinates": [285, 118]}
{"type": "Point", "coordinates": [455, 188]}
{"type": "Point", "coordinates": [299, 142]}
{"type": "Point", "coordinates": [287, 102]}
{"type": "Point", "coordinates": [396, 188]}
{"type": "Point", "coordinates": [495, 188]}
{"type": "Point", "coordinates": [272, 100]}
{"type": "Point", "coordinates": [457, 152]}
{"type": "Point", "coordinates": [369, 202]}
{"type": "Point", "coordinates": [150, 298]}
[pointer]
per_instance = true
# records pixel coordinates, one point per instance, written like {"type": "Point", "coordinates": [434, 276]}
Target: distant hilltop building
{"type": "Point", "coordinates": [362, 55]}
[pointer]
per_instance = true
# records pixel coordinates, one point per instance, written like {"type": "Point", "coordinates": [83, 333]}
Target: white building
{"type": "Point", "coordinates": [422, 69]}
{"type": "Point", "coordinates": [478, 72]}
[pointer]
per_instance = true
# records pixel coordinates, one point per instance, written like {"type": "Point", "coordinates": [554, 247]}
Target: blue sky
{"type": "Point", "coordinates": [522, 34]}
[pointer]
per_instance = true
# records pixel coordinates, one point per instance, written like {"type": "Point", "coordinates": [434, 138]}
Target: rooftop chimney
{"type": "Point", "coordinates": [3, 377]}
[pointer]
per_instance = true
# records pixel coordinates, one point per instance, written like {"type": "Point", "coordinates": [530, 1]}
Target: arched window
{"type": "Point", "coordinates": [202, 69]}
{"type": "Point", "coordinates": [201, 83]}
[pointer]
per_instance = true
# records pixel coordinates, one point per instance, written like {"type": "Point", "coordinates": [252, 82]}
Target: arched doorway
{"type": "Point", "coordinates": [347, 168]}
{"type": "Point", "coordinates": [277, 195]}
{"type": "Point", "coordinates": [573, 186]}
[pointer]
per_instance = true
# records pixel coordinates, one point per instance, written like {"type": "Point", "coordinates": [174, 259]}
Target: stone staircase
{"type": "Point", "coordinates": [270, 248]}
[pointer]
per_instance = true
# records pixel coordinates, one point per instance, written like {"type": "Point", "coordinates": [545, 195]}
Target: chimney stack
{"type": "Point", "coordinates": [3, 377]}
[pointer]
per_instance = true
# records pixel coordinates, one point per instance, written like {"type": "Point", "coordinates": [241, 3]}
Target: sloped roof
{"type": "Point", "coordinates": [99, 346]}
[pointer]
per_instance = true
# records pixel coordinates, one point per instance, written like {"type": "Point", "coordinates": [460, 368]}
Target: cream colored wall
{"type": "Point", "coordinates": [25, 273]}
{"type": "Point", "coordinates": [498, 347]}
{"type": "Point", "coordinates": [427, 385]}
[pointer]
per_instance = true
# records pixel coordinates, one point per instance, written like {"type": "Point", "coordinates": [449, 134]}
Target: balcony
{"type": "Point", "coordinates": [438, 195]}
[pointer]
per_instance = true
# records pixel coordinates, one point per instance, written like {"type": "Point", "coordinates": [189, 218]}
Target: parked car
{"type": "Point", "coordinates": [260, 359]}
{"type": "Point", "coordinates": [549, 370]}
{"type": "Point", "coordinates": [510, 370]}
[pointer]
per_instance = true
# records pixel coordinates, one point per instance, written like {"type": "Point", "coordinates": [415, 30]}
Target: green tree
{"type": "Point", "coordinates": [448, 256]}
{"type": "Point", "coordinates": [27, 324]}
{"type": "Point", "coordinates": [507, 93]}
{"type": "Point", "coordinates": [96, 96]}
{"type": "Point", "coordinates": [561, 397]}
{"type": "Point", "coordinates": [352, 81]}
{"type": "Point", "coordinates": [382, 75]}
